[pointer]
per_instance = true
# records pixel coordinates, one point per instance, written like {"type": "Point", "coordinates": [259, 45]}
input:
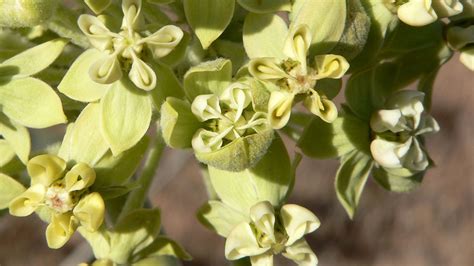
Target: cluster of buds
{"type": "Point", "coordinates": [125, 50]}
{"type": "Point", "coordinates": [423, 12]}
{"type": "Point", "coordinates": [295, 78]}
{"type": "Point", "coordinates": [269, 233]}
{"type": "Point", "coordinates": [65, 194]}
{"type": "Point", "coordinates": [398, 131]}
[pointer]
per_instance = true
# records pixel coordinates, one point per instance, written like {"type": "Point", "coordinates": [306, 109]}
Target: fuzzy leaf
{"type": "Point", "coordinates": [210, 77]}
{"type": "Point", "coordinates": [77, 83]}
{"type": "Point", "coordinates": [9, 189]}
{"type": "Point", "coordinates": [32, 103]}
{"type": "Point", "coordinates": [208, 18]}
{"type": "Point", "coordinates": [125, 115]}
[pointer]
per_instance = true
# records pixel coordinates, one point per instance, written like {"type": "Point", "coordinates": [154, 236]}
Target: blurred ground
{"type": "Point", "coordinates": [433, 225]}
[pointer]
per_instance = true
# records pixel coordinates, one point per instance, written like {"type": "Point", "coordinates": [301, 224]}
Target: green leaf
{"type": "Point", "coordinates": [117, 170]}
{"type": "Point", "coordinates": [210, 77]}
{"type": "Point", "coordinates": [85, 141]}
{"type": "Point", "coordinates": [163, 246]}
{"type": "Point", "coordinates": [133, 233]}
{"type": "Point", "coordinates": [16, 139]}
{"type": "Point", "coordinates": [111, 192]}
{"type": "Point", "coordinates": [231, 50]}
{"type": "Point", "coordinates": [99, 241]}
{"type": "Point", "coordinates": [208, 18]}
{"type": "Point", "coordinates": [167, 85]}
{"type": "Point", "coordinates": [178, 123]}
{"type": "Point", "coordinates": [426, 85]}
{"type": "Point", "coordinates": [98, 6]}
{"type": "Point", "coordinates": [268, 180]}
{"type": "Point", "coordinates": [265, 6]}
{"type": "Point", "coordinates": [240, 154]}
{"type": "Point", "coordinates": [397, 180]}
{"type": "Point", "coordinates": [32, 103]}
{"type": "Point", "coordinates": [6, 151]}
{"type": "Point", "coordinates": [264, 35]}
{"type": "Point", "coordinates": [328, 140]}
{"type": "Point", "coordinates": [33, 60]}
{"type": "Point", "coordinates": [9, 189]}
{"type": "Point", "coordinates": [18, 14]}
{"type": "Point", "coordinates": [350, 180]}
{"type": "Point", "coordinates": [125, 116]}
{"type": "Point", "coordinates": [77, 83]}
{"type": "Point", "coordinates": [219, 217]}
{"type": "Point", "coordinates": [329, 87]}
{"type": "Point", "coordinates": [315, 13]}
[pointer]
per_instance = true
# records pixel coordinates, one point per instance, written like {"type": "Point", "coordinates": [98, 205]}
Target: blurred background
{"type": "Point", "coordinates": [434, 225]}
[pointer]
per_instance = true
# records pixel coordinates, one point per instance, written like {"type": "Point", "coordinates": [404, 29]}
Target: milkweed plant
{"type": "Point", "coordinates": [225, 80]}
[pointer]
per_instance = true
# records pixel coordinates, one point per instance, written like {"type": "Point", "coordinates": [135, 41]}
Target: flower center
{"type": "Point", "coordinates": [59, 199]}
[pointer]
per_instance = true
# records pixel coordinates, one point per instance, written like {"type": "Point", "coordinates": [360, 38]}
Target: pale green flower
{"type": "Point", "coordinates": [398, 130]}
{"type": "Point", "coordinates": [270, 233]}
{"type": "Point", "coordinates": [65, 194]}
{"type": "Point", "coordinates": [423, 12]}
{"type": "Point", "coordinates": [125, 51]}
{"type": "Point", "coordinates": [295, 78]}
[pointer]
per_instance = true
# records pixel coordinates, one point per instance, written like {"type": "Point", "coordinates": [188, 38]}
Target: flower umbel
{"type": "Point", "coordinates": [65, 194]}
{"type": "Point", "coordinates": [398, 130]}
{"type": "Point", "coordinates": [125, 50]}
{"type": "Point", "coordinates": [269, 233]}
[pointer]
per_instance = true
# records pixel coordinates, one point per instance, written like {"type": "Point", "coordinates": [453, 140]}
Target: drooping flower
{"type": "Point", "coordinates": [271, 232]}
{"type": "Point", "coordinates": [66, 195]}
{"type": "Point", "coordinates": [124, 51]}
{"type": "Point", "coordinates": [295, 78]}
{"type": "Point", "coordinates": [398, 130]}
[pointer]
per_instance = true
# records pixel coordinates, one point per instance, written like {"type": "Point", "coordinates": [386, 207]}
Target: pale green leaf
{"type": "Point", "coordinates": [9, 189]}
{"type": "Point", "coordinates": [16, 139]}
{"type": "Point", "coordinates": [350, 179]}
{"type": "Point", "coordinates": [265, 6]}
{"type": "Point", "coordinates": [326, 20]}
{"type": "Point", "coordinates": [77, 83]}
{"type": "Point", "coordinates": [99, 241]}
{"type": "Point", "coordinates": [7, 153]}
{"type": "Point", "coordinates": [167, 85]}
{"type": "Point", "coordinates": [264, 35]}
{"type": "Point", "coordinates": [208, 18]}
{"type": "Point", "coordinates": [32, 103]}
{"type": "Point", "coordinates": [33, 60]}
{"type": "Point", "coordinates": [210, 77]}
{"type": "Point", "coordinates": [163, 246]}
{"type": "Point", "coordinates": [86, 143]}
{"type": "Point", "coordinates": [398, 180]}
{"type": "Point", "coordinates": [125, 115]}
{"type": "Point", "coordinates": [219, 217]}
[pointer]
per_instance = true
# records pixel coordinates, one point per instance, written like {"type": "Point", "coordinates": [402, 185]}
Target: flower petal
{"type": "Point", "coordinates": [45, 169]}
{"type": "Point", "coordinates": [417, 13]}
{"type": "Point", "coordinates": [389, 153]}
{"type": "Point", "coordinates": [298, 221]}
{"type": "Point", "coordinates": [60, 230]}
{"type": "Point", "coordinates": [98, 34]}
{"type": "Point", "coordinates": [447, 8]}
{"type": "Point", "coordinates": [410, 103]}
{"type": "Point", "coordinates": [279, 108]}
{"type": "Point", "coordinates": [297, 43]}
{"type": "Point", "coordinates": [266, 68]}
{"type": "Point", "coordinates": [428, 125]}
{"type": "Point", "coordinates": [237, 96]}
{"type": "Point", "coordinates": [265, 259]}
{"type": "Point", "coordinates": [322, 107]}
{"type": "Point", "coordinates": [331, 66]}
{"type": "Point", "coordinates": [206, 141]}
{"type": "Point", "coordinates": [90, 211]}
{"type": "Point", "coordinates": [81, 176]}
{"type": "Point", "coordinates": [106, 70]}
{"type": "Point", "coordinates": [206, 107]}
{"type": "Point", "coordinates": [384, 120]}
{"type": "Point", "coordinates": [27, 202]}
{"type": "Point", "coordinates": [242, 242]}
{"type": "Point", "coordinates": [415, 159]}
{"type": "Point", "coordinates": [163, 41]}
{"type": "Point", "coordinates": [263, 216]}
{"type": "Point", "coordinates": [131, 14]}
{"type": "Point", "coordinates": [300, 252]}
{"type": "Point", "coordinates": [142, 75]}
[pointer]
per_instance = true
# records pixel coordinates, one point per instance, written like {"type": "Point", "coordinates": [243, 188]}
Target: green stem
{"type": "Point", "coordinates": [64, 23]}
{"type": "Point", "coordinates": [137, 197]}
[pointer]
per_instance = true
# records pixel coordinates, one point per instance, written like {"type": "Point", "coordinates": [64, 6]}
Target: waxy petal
{"type": "Point", "coordinates": [81, 176]}
{"type": "Point", "coordinates": [300, 252]}
{"type": "Point", "coordinates": [322, 107]}
{"type": "Point", "coordinates": [206, 141]}
{"type": "Point", "coordinates": [27, 202]}
{"type": "Point", "coordinates": [410, 103]}
{"type": "Point", "coordinates": [447, 8]}
{"type": "Point", "coordinates": [331, 66]}
{"type": "Point", "coordinates": [242, 242]}
{"type": "Point", "coordinates": [131, 14]}
{"type": "Point", "coordinates": [265, 259]}
{"type": "Point", "coordinates": [389, 153]}
{"type": "Point", "coordinates": [163, 41]}
{"type": "Point", "coordinates": [98, 34]}
{"type": "Point", "coordinates": [142, 75]}
{"type": "Point", "coordinates": [206, 107]}
{"type": "Point", "coordinates": [90, 211]}
{"type": "Point", "coordinates": [279, 108]}
{"type": "Point", "coordinates": [263, 216]}
{"type": "Point", "coordinates": [106, 70]}
{"type": "Point", "coordinates": [266, 69]}
{"type": "Point", "coordinates": [384, 120]}
{"type": "Point", "coordinates": [237, 96]}
{"type": "Point", "coordinates": [298, 221]}
{"type": "Point", "coordinates": [60, 230]}
{"type": "Point", "coordinates": [297, 44]}
{"type": "Point", "coordinates": [417, 13]}
{"type": "Point", "coordinates": [416, 158]}
{"type": "Point", "coordinates": [45, 169]}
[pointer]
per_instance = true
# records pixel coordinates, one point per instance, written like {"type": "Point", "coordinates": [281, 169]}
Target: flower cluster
{"type": "Point", "coordinates": [423, 12]}
{"type": "Point", "coordinates": [66, 195]}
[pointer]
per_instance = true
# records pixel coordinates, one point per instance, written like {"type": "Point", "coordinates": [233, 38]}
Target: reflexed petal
{"type": "Point", "coordinates": [206, 107]}
{"type": "Point", "coordinates": [142, 75]}
{"type": "Point", "coordinates": [242, 242]}
{"type": "Point", "coordinates": [298, 221]}
{"type": "Point", "coordinates": [27, 202]}
{"type": "Point", "coordinates": [428, 125]}
{"type": "Point", "coordinates": [90, 211]}
{"type": "Point", "coordinates": [237, 96]}
{"type": "Point", "coordinates": [447, 8]}
{"type": "Point", "coordinates": [131, 14]}
{"type": "Point", "coordinates": [60, 230]}
{"type": "Point", "coordinates": [265, 259]}
{"type": "Point", "coordinates": [410, 103]}
{"type": "Point", "coordinates": [322, 107]}
{"type": "Point", "coordinates": [297, 44]}
{"type": "Point", "coordinates": [106, 70]}
{"type": "Point", "coordinates": [45, 169]}
{"type": "Point", "coordinates": [417, 13]}
{"type": "Point", "coordinates": [263, 216]}
{"type": "Point", "coordinates": [388, 153]}
{"type": "Point", "coordinates": [266, 69]}
{"type": "Point", "coordinates": [384, 120]}
{"type": "Point", "coordinates": [300, 252]}
{"type": "Point", "coordinates": [415, 159]}
{"type": "Point", "coordinates": [81, 176]}
{"type": "Point", "coordinates": [164, 40]}
{"type": "Point", "coordinates": [279, 108]}
{"type": "Point", "coordinates": [206, 141]}
{"type": "Point", "coordinates": [331, 66]}
{"type": "Point", "coordinates": [99, 36]}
